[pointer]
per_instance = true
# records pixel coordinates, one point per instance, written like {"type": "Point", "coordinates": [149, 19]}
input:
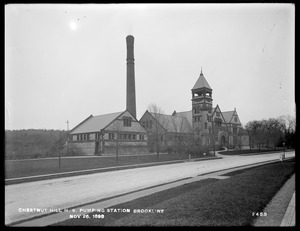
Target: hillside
{"type": "Point", "coordinates": [33, 143]}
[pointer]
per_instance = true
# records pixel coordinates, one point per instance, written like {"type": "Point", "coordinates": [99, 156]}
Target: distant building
{"type": "Point", "coordinates": [103, 134]}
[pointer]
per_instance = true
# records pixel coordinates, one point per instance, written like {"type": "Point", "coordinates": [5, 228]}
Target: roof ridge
{"type": "Point", "coordinates": [159, 113]}
{"type": "Point", "coordinates": [183, 111]}
{"type": "Point", "coordinates": [109, 113]}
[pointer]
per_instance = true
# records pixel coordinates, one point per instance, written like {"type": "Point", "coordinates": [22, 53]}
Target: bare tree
{"type": "Point", "coordinates": [158, 131]}
{"type": "Point", "coordinates": [182, 136]}
{"type": "Point", "coordinates": [252, 128]}
{"type": "Point", "coordinates": [289, 123]}
{"type": "Point", "coordinates": [276, 129]}
{"type": "Point", "coordinates": [264, 132]}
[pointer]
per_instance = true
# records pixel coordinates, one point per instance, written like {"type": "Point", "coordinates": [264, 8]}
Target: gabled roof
{"type": "Point", "coordinates": [201, 82]}
{"type": "Point", "coordinates": [173, 123]}
{"type": "Point", "coordinates": [187, 115]}
{"type": "Point", "coordinates": [218, 109]}
{"type": "Point", "coordinates": [227, 116]}
{"type": "Point", "coordinates": [95, 123]}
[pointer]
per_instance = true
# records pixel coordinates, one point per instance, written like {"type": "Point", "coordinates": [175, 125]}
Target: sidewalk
{"type": "Point", "coordinates": [281, 210]}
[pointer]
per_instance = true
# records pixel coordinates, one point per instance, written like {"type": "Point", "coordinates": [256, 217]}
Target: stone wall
{"type": "Point", "coordinates": [125, 150]}
{"type": "Point", "coordinates": [83, 148]}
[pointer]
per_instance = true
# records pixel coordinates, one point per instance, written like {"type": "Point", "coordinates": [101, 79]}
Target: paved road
{"type": "Point", "coordinates": [71, 191]}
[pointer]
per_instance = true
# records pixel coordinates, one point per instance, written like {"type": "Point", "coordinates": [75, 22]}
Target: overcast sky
{"type": "Point", "coordinates": [66, 62]}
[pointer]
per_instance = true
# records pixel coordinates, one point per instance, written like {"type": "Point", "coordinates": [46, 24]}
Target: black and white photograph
{"type": "Point", "coordinates": [149, 115]}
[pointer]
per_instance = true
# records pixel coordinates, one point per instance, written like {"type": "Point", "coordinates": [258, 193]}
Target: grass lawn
{"type": "Point", "coordinates": [211, 202]}
{"type": "Point", "coordinates": [14, 169]}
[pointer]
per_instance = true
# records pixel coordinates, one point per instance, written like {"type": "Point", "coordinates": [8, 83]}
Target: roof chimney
{"type": "Point", "coordinates": [130, 100]}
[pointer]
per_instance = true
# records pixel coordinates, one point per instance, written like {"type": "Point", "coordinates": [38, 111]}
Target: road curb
{"type": "Point", "coordinates": [289, 216]}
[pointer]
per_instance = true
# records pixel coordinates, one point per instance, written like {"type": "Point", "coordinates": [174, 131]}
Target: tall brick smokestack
{"type": "Point", "coordinates": [130, 99]}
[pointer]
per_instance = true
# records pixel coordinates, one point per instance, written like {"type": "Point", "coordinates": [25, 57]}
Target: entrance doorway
{"type": "Point", "coordinates": [223, 140]}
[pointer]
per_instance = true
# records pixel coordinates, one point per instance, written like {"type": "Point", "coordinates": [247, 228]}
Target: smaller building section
{"type": "Point", "coordinates": [166, 131]}
{"type": "Point", "coordinates": [238, 137]}
{"type": "Point", "coordinates": [108, 134]}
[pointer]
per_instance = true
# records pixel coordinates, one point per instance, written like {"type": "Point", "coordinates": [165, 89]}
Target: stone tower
{"type": "Point", "coordinates": [202, 109]}
{"type": "Point", "coordinates": [130, 90]}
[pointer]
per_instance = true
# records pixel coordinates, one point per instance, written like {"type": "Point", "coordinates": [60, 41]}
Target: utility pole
{"type": "Point", "coordinates": [67, 125]}
{"type": "Point", "coordinates": [59, 150]}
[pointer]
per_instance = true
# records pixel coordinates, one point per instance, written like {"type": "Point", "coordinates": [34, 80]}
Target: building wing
{"type": "Point", "coordinates": [231, 117]}
{"type": "Point", "coordinates": [173, 123]}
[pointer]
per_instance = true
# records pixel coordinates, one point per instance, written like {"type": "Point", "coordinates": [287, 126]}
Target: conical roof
{"type": "Point", "coordinates": [201, 82]}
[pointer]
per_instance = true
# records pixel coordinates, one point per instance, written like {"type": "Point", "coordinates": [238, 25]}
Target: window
{"type": "Point", "coordinates": [234, 130]}
{"type": "Point", "coordinates": [235, 119]}
{"type": "Point", "coordinates": [208, 118]}
{"type": "Point", "coordinates": [205, 124]}
{"type": "Point", "coordinates": [129, 136]}
{"type": "Point", "coordinates": [127, 121]}
{"type": "Point", "coordinates": [98, 135]}
{"type": "Point", "coordinates": [218, 114]}
{"type": "Point", "coordinates": [150, 123]}
{"type": "Point", "coordinates": [218, 122]}
{"type": "Point", "coordinates": [124, 136]}
{"type": "Point", "coordinates": [133, 136]}
{"type": "Point", "coordinates": [141, 137]}
{"type": "Point", "coordinates": [111, 136]}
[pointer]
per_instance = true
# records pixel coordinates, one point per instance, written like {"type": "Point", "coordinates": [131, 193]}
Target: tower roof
{"type": "Point", "coordinates": [201, 82]}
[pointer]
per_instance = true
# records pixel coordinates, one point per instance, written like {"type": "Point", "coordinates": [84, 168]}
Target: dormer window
{"type": "Point", "coordinates": [127, 121]}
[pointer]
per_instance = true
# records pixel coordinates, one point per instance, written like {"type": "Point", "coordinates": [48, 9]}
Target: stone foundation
{"type": "Point", "coordinates": [88, 148]}
{"type": "Point", "coordinates": [83, 148]}
{"type": "Point", "coordinates": [125, 150]}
